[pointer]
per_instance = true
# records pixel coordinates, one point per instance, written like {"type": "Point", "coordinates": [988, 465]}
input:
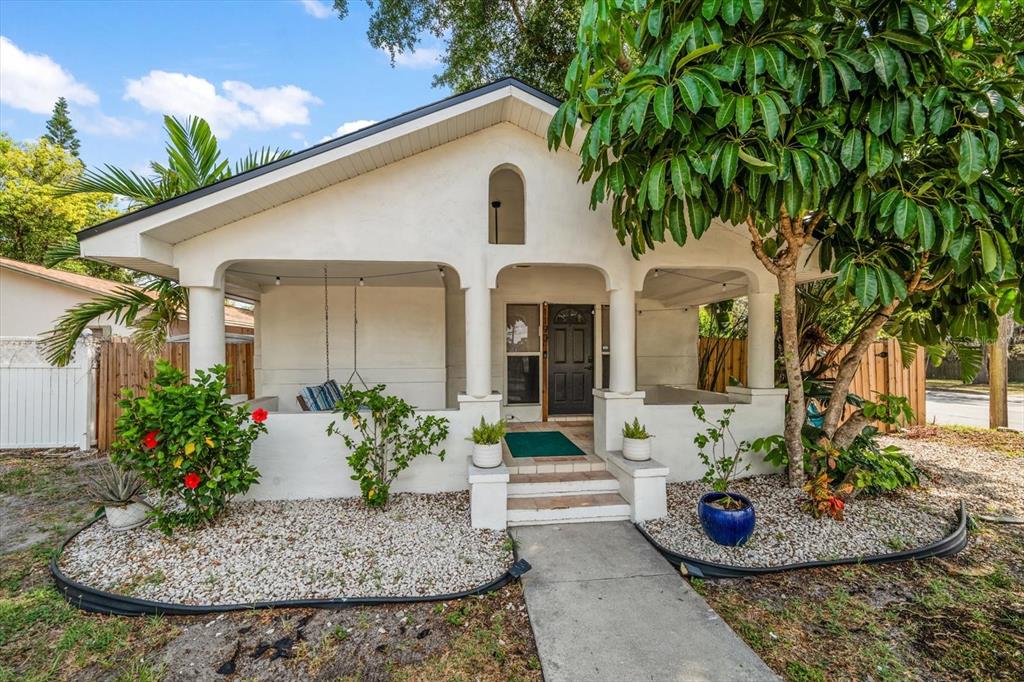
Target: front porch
{"type": "Point", "coordinates": [548, 348]}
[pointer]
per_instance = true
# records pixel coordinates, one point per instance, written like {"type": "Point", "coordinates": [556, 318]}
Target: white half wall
{"type": "Point", "coordinates": [666, 345]}
{"type": "Point", "coordinates": [401, 341]}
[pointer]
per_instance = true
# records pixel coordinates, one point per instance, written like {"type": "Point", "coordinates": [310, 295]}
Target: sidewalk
{"type": "Point", "coordinates": [604, 605]}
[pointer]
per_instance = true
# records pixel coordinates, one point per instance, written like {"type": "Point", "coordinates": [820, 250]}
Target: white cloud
{"type": "Point", "coordinates": [34, 81]}
{"type": "Point", "coordinates": [422, 58]}
{"type": "Point", "coordinates": [317, 9]}
{"type": "Point", "coordinates": [348, 127]}
{"type": "Point", "coordinates": [98, 123]}
{"type": "Point", "coordinates": [239, 105]}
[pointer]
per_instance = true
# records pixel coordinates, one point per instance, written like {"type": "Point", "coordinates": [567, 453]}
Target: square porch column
{"type": "Point", "coordinates": [205, 328]}
{"type": "Point", "coordinates": [761, 340]}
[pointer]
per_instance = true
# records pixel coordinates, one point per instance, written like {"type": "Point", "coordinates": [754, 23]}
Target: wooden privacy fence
{"type": "Point", "coordinates": [881, 371]}
{"type": "Point", "coordinates": [121, 365]}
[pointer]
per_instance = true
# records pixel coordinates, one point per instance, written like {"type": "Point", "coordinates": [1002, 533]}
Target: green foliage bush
{"type": "Point", "coordinates": [488, 434]}
{"type": "Point", "coordinates": [187, 443]}
{"type": "Point", "coordinates": [391, 436]}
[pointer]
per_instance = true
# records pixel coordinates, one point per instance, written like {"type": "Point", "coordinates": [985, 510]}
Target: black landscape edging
{"type": "Point", "coordinates": [99, 601]}
{"type": "Point", "coordinates": [951, 544]}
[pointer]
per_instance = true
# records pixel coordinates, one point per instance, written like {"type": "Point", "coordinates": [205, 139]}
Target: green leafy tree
{"type": "Point", "coordinates": [194, 160]}
{"type": "Point", "coordinates": [33, 217]}
{"type": "Point", "coordinates": [533, 40]}
{"type": "Point", "coordinates": [884, 134]}
{"type": "Point", "coordinates": [59, 130]}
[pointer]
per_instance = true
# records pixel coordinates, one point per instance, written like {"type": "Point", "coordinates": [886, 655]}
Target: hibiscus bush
{"type": "Point", "coordinates": [390, 437]}
{"type": "Point", "coordinates": [188, 443]}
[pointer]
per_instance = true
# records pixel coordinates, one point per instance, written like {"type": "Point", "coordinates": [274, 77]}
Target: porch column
{"type": "Point", "coordinates": [761, 340]}
{"type": "Point", "coordinates": [622, 324]}
{"type": "Point", "coordinates": [478, 340]}
{"type": "Point", "coordinates": [205, 327]}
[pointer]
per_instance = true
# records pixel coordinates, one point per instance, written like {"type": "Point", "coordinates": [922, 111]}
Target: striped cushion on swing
{"type": "Point", "coordinates": [333, 391]}
{"type": "Point", "coordinates": [322, 397]}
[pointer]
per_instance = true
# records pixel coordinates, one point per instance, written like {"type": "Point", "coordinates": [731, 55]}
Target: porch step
{"type": "Point", "coordinates": [530, 511]}
{"type": "Point", "coordinates": [553, 465]}
{"type": "Point", "coordinates": [569, 483]}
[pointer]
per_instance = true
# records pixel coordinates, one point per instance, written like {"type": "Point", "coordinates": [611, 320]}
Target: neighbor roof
{"type": "Point", "coordinates": [318, 149]}
{"type": "Point", "coordinates": [233, 317]}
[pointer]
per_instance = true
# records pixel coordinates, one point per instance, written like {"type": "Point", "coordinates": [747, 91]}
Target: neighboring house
{"type": "Point", "coordinates": [485, 286]}
{"type": "Point", "coordinates": [45, 406]}
{"type": "Point", "coordinates": [33, 297]}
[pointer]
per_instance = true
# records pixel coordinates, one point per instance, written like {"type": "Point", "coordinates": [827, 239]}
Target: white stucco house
{"type": "Point", "coordinates": [485, 286]}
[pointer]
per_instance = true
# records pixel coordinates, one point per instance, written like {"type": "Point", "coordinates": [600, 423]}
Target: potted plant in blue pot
{"type": "Point", "coordinates": [726, 517]}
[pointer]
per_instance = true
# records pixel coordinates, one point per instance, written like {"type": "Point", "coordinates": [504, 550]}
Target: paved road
{"type": "Point", "coordinates": [969, 409]}
{"type": "Point", "coordinates": [605, 606]}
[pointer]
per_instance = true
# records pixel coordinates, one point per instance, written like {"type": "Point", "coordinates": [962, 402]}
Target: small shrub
{"type": "Point", "coordinates": [391, 436]}
{"type": "Point", "coordinates": [188, 443]}
{"type": "Point", "coordinates": [488, 434]}
{"type": "Point", "coordinates": [635, 430]}
{"type": "Point", "coordinates": [713, 449]}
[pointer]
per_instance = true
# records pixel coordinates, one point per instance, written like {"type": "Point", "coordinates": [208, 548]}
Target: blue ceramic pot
{"type": "Point", "coordinates": [728, 527]}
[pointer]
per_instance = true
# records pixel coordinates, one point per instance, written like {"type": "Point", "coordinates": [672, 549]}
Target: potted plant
{"type": "Point", "coordinates": [119, 492]}
{"type": "Point", "coordinates": [487, 443]}
{"type": "Point", "coordinates": [726, 517]}
{"type": "Point", "coordinates": [636, 442]}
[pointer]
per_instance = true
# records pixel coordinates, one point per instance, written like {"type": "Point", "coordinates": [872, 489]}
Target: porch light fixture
{"type": "Point", "coordinates": [277, 281]}
{"type": "Point", "coordinates": [441, 270]}
{"type": "Point", "coordinates": [362, 282]}
{"type": "Point", "coordinates": [656, 272]}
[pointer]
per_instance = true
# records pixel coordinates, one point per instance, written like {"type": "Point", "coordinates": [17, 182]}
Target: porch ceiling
{"type": "Point", "coordinates": [246, 278]}
{"type": "Point", "coordinates": [693, 286]}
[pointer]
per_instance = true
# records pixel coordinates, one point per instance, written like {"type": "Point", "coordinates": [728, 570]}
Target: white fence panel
{"type": "Point", "coordinates": [42, 406]}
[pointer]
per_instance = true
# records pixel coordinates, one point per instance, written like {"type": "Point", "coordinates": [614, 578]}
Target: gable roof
{"type": "Point", "coordinates": [233, 317]}
{"type": "Point", "coordinates": [448, 104]}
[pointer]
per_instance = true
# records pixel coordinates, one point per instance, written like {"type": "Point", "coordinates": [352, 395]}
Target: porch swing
{"type": "Point", "coordinates": [323, 397]}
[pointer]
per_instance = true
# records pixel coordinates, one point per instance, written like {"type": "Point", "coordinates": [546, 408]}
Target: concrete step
{"type": "Point", "coordinates": [529, 511]}
{"type": "Point", "coordinates": [568, 483]}
{"type": "Point", "coordinates": [553, 465]}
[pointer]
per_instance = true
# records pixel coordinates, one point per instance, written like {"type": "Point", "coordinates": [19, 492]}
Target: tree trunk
{"type": "Point", "coordinates": [998, 366]}
{"type": "Point", "coordinates": [794, 376]}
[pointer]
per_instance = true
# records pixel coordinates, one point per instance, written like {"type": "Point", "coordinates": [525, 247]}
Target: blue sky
{"type": "Point", "coordinates": [278, 73]}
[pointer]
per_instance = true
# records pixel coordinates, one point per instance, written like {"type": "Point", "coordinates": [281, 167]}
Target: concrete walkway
{"type": "Point", "coordinates": [604, 605]}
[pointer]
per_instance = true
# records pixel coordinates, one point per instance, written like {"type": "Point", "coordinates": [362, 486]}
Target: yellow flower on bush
{"type": "Point", "coordinates": [190, 448]}
{"type": "Point", "coordinates": [179, 459]}
{"type": "Point", "coordinates": [209, 442]}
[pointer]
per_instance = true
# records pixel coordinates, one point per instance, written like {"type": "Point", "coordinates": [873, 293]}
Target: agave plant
{"type": "Point", "coordinates": [112, 486]}
{"type": "Point", "coordinates": [194, 160]}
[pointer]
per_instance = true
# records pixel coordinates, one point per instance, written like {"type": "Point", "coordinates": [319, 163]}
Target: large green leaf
{"type": "Point", "coordinates": [656, 185]}
{"type": "Point", "coordinates": [664, 102]}
{"type": "Point", "coordinates": [744, 113]}
{"type": "Point", "coordinates": [732, 10]}
{"type": "Point", "coordinates": [972, 157]}
{"type": "Point", "coordinates": [770, 115]}
{"type": "Point", "coordinates": [690, 92]}
{"type": "Point", "coordinates": [729, 161]}
{"type": "Point", "coordinates": [753, 9]}
{"type": "Point", "coordinates": [989, 255]}
{"type": "Point", "coordinates": [905, 218]}
{"type": "Point", "coordinates": [852, 151]}
{"type": "Point", "coordinates": [865, 285]}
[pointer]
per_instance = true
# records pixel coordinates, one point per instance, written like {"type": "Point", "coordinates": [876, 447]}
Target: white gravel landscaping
{"type": "Point", "coordinates": [785, 534]}
{"type": "Point", "coordinates": [297, 549]}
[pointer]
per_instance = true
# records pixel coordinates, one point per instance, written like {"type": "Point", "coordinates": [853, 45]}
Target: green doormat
{"type": "Point", "coordinates": [541, 444]}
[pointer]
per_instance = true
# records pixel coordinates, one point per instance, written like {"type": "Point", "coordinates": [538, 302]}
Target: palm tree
{"type": "Point", "coordinates": [194, 160]}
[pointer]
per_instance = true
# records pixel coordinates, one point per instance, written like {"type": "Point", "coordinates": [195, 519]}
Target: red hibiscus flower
{"type": "Point", "coordinates": [837, 503]}
{"type": "Point", "coordinates": [150, 441]}
{"type": "Point", "coordinates": [259, 415]}
{"type": "Point", "coordinates": [192, 480]}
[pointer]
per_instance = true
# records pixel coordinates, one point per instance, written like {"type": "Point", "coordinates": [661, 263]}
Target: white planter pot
{"type": "Point", "coordinates": [127, 517]}
{"type": "Point", "coordinates": [636, 449]}
{"type": "Point", "coordinates": [486, 456]}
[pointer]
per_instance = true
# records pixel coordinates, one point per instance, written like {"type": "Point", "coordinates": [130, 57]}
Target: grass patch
{"type": "Point", "coordinates": [957, 385]}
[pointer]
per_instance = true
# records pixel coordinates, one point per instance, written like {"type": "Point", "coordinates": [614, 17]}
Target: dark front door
{"type": "Point", "coordinates": [570, 359]}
